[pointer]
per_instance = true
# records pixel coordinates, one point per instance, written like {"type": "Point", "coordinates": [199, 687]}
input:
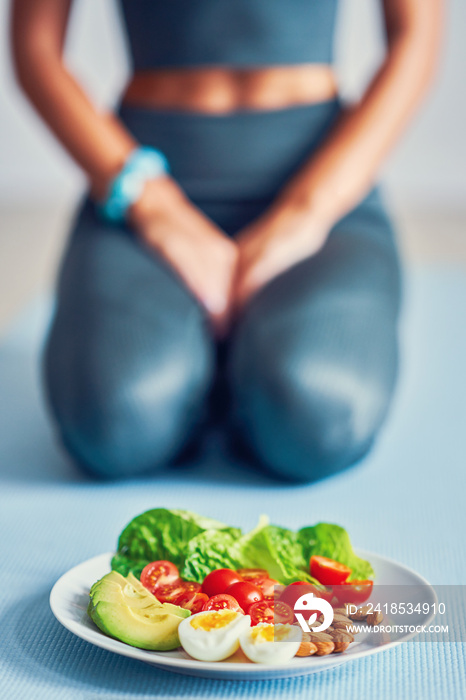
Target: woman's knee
{"type": "Point", "coordinates": [125, 418]}
{"type": "Point", "coordinates": [305, 419]}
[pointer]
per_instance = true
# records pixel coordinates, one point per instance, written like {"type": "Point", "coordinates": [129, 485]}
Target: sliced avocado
{"type": "Point", "coordinates": [122, 608]}
{"type": "Point", "coordinates": [135, 582]}
{"type": "Point", "coordinates": [118, 589]}
{"type": "Point", "coordinates": [154, 630]}
{"type": "Point", "coordinates": [121, 581]}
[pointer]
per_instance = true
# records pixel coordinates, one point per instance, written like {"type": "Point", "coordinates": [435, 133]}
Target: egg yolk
{"type": "Point", "coordinates": [269, 634]}
{"type": "Point", "coordinates": [213, 621]}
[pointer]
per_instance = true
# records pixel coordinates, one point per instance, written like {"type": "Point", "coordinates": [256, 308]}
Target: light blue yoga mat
{"type": "Point", "coordinates": [406, 501]}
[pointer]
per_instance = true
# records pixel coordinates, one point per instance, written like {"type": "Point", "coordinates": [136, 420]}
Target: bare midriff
{"type": "Point", "coordinates": [224, 90]}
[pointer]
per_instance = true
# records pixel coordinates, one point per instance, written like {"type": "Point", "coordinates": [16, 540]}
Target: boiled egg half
{"type": "Point", "coordinates": [212, 635]}
{"type": "Point", "coordinates": [270, 644]}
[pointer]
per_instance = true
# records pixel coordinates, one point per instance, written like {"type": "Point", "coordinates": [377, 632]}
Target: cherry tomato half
{"type": "Point", "coordinates": [267, 585]}
{"type": "Point", "coordinates": [191, 600]}
{"type": "Point", "coordinates": [218, 581]}
{"type": "Point", "coordinates": [282, 613]}
{"type": "Point", "coordinates": [250, 574]}
{"type": "Point", "coordinates": [271, 612]}
{"type": "Point", "coordinates": [354, 592]}
{"type": "Point", "coordinates": [159, 573]}
{"type": "Point", "coordinates": [246, 593]}
{"type": "Point", "coordinates": [328, 571]}
{"type": "Point", "coordinates": [191, 586]}
{"type": "Point", "coordinates": [168, 593]}
{"type": "Point", "coordinates": [223, 601]}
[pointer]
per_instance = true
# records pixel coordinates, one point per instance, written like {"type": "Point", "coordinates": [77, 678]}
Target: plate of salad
{"type": "Point", "coordinates": [195, 596]}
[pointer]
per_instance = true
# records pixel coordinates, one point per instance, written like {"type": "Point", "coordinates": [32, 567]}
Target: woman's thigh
{"type": "Point", "coordinates": [314, 359]}
{"type": "Point", "coordinates": [129, 357]}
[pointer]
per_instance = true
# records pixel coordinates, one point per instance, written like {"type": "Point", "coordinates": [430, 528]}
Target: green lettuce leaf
{"type": "Point", "coordinates": [276, 549]}
{"type": "Point", "coordinates": [332, 541]}
{"type": "Point", "coordinates": [160, 534]}
{"type": "Point", "coordinates": [212, 549]}
{"type": "Point", "coordinates": [198, 545]}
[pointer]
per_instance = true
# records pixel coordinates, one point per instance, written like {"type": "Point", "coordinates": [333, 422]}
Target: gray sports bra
{"type": "Point", "coordinates": [244, 33]}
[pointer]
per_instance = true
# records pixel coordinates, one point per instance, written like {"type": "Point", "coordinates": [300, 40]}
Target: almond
{"type": "Point", "coordinates": [340, 611]}
{"type": "Point", "coordinates": [374, 618]}
{"type": "Point", "coordinates": [342, 635]}
{"type": "Point", "coordinates": [318, 637]}
{"type": "Point", "coordinates": [361, 613]}
{"type": "Point", "coordinates": [323, 642]}
{"type": "Point", "coordinates": [324, 648]}
{"type": "Point", "coordinates": [345, 626]}
{"type": "Point", "coordinates": [338, 617]}
{"type": "Point", "coordinates": [306, 649]}
{"type": "Point", "coordinates": [347, 609]}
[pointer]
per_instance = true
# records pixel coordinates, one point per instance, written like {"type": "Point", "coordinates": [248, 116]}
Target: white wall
{"type": "Point", "coordinates": [427, 168]}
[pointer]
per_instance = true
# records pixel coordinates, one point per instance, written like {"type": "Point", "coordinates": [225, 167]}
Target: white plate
{"type": "Point", "coordinates": [70, 596]}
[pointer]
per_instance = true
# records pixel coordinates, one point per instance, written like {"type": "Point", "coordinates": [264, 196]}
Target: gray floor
{"type": "Point", "coordinates": [31, 240]}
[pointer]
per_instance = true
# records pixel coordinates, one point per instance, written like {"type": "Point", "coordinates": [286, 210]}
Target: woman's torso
{"type": "Point", "coordinates": [220, 56]}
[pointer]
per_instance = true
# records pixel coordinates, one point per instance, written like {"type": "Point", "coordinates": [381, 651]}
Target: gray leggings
{"type": "Point", "coordinates": [308, 371]}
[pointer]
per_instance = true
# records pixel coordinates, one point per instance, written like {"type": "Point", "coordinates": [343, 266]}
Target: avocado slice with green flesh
{"type": "Point", "coordinates": [122, 581]}
{"type": "Point", "coordinates": [122, 608]}
{"type": "Point", "coordinates": [115, 588]}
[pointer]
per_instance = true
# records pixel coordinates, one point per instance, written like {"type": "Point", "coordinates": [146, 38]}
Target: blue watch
{"type": "Point", "coordinates": [143, 164]}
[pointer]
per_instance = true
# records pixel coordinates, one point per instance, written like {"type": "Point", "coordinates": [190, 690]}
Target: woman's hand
{"type": "Point", "coordinates": [344, 167]}
{"type": "Point", "coordinates": [201, 254]}
{"type": "Point", "coordinates": [280, 238]}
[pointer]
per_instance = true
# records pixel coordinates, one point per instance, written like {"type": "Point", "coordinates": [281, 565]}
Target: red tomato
{"type": "Point", "coordinates": [267, 586]}
{"type": "Point", "coordinates": [328, 571]}
{"type": "Point", "coordinates": [271, 612]}
{"type": "Point", "coordinates": [191, 586]}
{"type": "Point", "coordinates": [246, 594]}
{"type": "Point", "coordinates": [218, 581]}
{"type": "Point", "coordinates": [168, 593]}
{"type": "Point", "coordinates": [354, 592]}
{"type": "Point", "coordinates": [159, 573]}
{"type": "Point", "coordinates": [325, 592]}
{"type": "Point", "coordinates": [191, 600]}
{"type": "Point", "coordinates": [261, 612]}
{"type": "Point", "coordinates": [291, 594]}
{"type": "Point", "coordinates": [283, 613]}
{"type": "Point", "coordinates": [250, 574]}
{"type": "Point", "coordinates": [223, 601]}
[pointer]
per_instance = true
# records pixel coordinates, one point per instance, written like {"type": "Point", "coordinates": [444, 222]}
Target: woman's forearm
{"type": "Point", "coordinates": [97, 141]}
{"type": "Point", "coordinates": [344, 168]}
